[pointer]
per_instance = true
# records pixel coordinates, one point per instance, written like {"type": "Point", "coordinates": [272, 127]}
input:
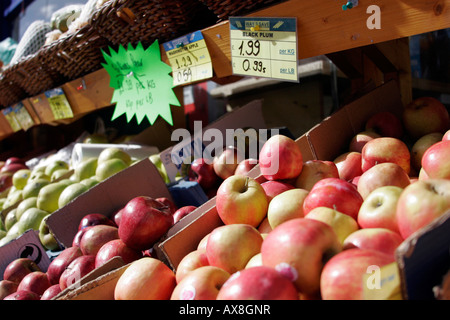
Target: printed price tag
{"type": "Point", "coordinates": [10, 116]}
{"type": "Point", "coordinates": [189, 58]}
{"type": "Point", "coordinates": [22, 115]}
{"type": "Point", "coordinates": [264, 47]}
{"type": "Point", "coordinates": [59, 104]}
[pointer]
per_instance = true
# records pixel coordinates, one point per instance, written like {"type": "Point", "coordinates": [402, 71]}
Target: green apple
{"type": "Point", "coordinates": [55, 165]}
{"type": "Point", "coordinates": [13, 198]}
{"type": "Point", "coordinates": [31, 219]}
{"type": "Point", "coordinates": [46, 237]}
{"type": "Point", "coordinates": [90, 182]}
{"type": "Point", "coordinates": [2, 225]}
{"type": "Point", "coordinates": [20, 178]}
{"type": "Point", "coordinates": [32, 188]}
{"type": "Point", "coordinates": [71, 192]}
{"type": "Point", "coordinates": [38, 175]}
{"type": "Point", "coordinates": [57, 174]}
{"type": "Point", "coordinates": [86, 168]}
{"type": "Point", "coordinates": [2, 201]}
{"type": "Point", "coordinates": [96, 138]}
{"type": "Point", "coordinates": [48, 196]}
{"type": "Point", "coordinates": [24, 205]}
{"type": "Point", "coordinates": [10, 219]}
{"type": "Point", "coordinates": [109, 167]}
{"type": "Point", "coordinates": [114, 153]}
{"type": "Point", "coordinates": [2, 234]}
{"type": "Point", "coordinates": [156, 160]}
{"type": "Point", "coordinates": [7, 238]}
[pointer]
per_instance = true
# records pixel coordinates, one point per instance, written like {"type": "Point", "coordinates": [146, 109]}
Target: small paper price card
{"type": "Point", "coordinates": [22, 115]}
{"type": "Point", "coordinates": [264, 47]}
{"type": "Point", "coordinates": [59, 104]}
{"type": "Point", "coordinates": [189, 58]}
{"type": "Point", "coordinates": [10, 116]}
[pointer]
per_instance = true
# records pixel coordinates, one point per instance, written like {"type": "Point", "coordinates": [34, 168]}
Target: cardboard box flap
{"type": "Point", "coordinates": [140, 179]}
{"type": "Point", "coordinates": [423, 259]}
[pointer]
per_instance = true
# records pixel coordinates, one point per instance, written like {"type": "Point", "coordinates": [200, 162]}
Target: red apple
{"type": "Point", "coordinates": [420, 203]}
{"type": "Point", "coordinates": [117, 216]}
{"type": "Point", "coordinates": [349, 165]}
{"type": "Point", "coordinates": [386, 149]}
{"type": "Point", "coordinates": [193, 260]}
{"type": "Point", "coordinates": [379, 239]}
{"type": "Point", "coordinates": [341, 278]}
{"type": "Point", "coordinates": [202, 243]}
{"type": "Point", "coordinates": [182, 212]}
{"type": "Point", "coordinates": [425, 115]}
{"type": "Point", "coordinates": [245, 166]}
{"type": "Point", "coordinates": [36, 282]}
{"type": "Point", "coordinates": [315, 170]}
{"type": "Point", "coordinates": [169, 203]}
{"type": "Point", "coordinates": [13, 167]}
{"type": "Point", "coordinates": [76, 270]}
{"type": "Point", "coordinates": [61, 262]}
{"type": "Point", "coordinates": [116, 248]}
{"type": "Point", "coordinates": [225, 164]}
{"type": "Point", "coordinates": [77, 238]}
{"type": "Point", "coordinates": [435, 160]}
{"type": "Point", "coordinates": [273, 188]}
{"type": "Point", "coordinates": [94, 238]}
{"type": "Point", "coordinates": [280, 158]}
{"type": "Point", "coordinates": [286, 206]}
{"type": "Point", "coordinates": [6, 288]}
{"type": "Point", "coordinates": [360, 139]}
{"type": "Point", "coordinates": [334, 193]}
{"type": "Point", "coordinates": [299, 248]}
{"type": "Point", "coordinates": [145, 279]}
{"type": "Point", "coordinates": [17, 269]}
{"type": "Point", "coordinates": [94, 219]}
{"type": "Point", "coordinates": [386, 124]}
{"type": "Point", "coordinates": [203, 283]}
{"type": "Point", "coordinates": [421, 145]}
{"type": "Point", "coordinates": [258, 283]}
{"type": "Point", "coordinates": [5, 180]}
{"type": "Point", "coordinates": [231, 246]}
{"type": "Point", "coordinates": [382, 174]}
{"type": "Point", "coordinates": [241, 199]}
{"type": "Point", "coordinates": [23, 295]}
{"type": "Point", "coordinates": [202, 171]}
{"type": "Point", "coordinates": [51, 292]}
{"type": "Point", "coordinates": [144, 221]}
{"type": "Point", "coordinates": [11, 160]}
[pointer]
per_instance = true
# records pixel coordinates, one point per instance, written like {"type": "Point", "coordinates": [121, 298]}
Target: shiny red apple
{"type": "Point", "coordinates": [182, 212]}
{"type": "Point", "coordinates": [116, 248]}
{"type": "Point", "coordinates": [94, 219]}
{"type": "Point", "coordinates": [61, 262]}
{"type": "Point", "coordinates": [76, 270]}
{"type": "Point", "coordinates": [17, 269]}
{"type": "Point", "coordinates": [202, 171]}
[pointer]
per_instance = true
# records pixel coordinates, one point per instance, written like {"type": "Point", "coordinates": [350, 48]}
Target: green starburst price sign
{"type": "Point", "coordinates": [143, 86]}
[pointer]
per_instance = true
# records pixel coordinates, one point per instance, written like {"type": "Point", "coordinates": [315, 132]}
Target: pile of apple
{"type": "Point", "coordinates": [317, 226]}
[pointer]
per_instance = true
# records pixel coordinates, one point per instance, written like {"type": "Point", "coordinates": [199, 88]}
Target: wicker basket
{"type": "Point", "coordinates": [227, 8]}
{"type": "Point", "coordinates": [10, 92]}
{"type": "Point", "coordinates": [130, 21]}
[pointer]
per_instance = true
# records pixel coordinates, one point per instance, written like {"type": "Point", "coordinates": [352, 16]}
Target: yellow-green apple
{"type": "Point", "coordinates": [193, 260]}
{"type": "Point", "coordinates": [360, 139]}
{"type": "Point", "coordinates": [380, 239]}
{"type": "Point", "coordinates": [342, 224]}
{"type": "Point", "coordinates": [10, 219]}
{"type": "Point", "coordinates": [51, 292]}
{"type": "Point", "coordinates": [420, 203]}
{"type": "Point", "coordinates": [33, 187]}
{"type": "Point", "coordinates": [182, 212]}
{"type": "Point", "coordinates": [382, 174]}
{"type": "Point", "coordinates": [17, 269]}
{"type": "Point", "coordinates": [20, 178]}
{"type": "Point", "coordinates": [280, 158]}
{"type": "Point", "coordinates": [386, 124]}
{"type": "Point", "coordinates": [31, 219]}
{"type": "Point", "coordinates": [342, 275]}
{"type": "Point", "coordinates": [116, 248]}
{"type": "Point", "coordinates": [23, 295]}
{"type": "Point", "coordinates": [86, 168]}
{"type": "Point", "coordinates": [379, 208]}
{"type": "Point", "coordinates": [231, 246]}
{"type": "Point", "coordinates": [286, 206]}
{"type": "Point", "coordinates": [7, 287]}
{"type": "Point", "coordinates": [94, 238]}
{"type": "Point", "coordinates": [202, 283]}
{"type": "Point", "coordinates": [315, 170]}
{"type": "Point", "coordinates": [156, 160]}
{"type": "Point", "coordinates": [435, 160]}
{"type": "Point", "coordinates": [47, 239]}
{"type": "Point", "coordinates": [287, 247]}
{"type": "Point", "coordinates": [24, 205]}
{"type": "Point", "coordinates": [421, 145]}
{"type": "Point", "coordinates": [48, 196]}
{"type": "Point", "coordinates": [386, 149]}
{"type": "Point", "coordinates": [145, 279]}
{"type": "Point", "coordinates": [335, 193]}
{"type": "Point", "coordinates": [144, 221]}
{"type": "Point", "coordinates": [245, 166]}
{"type": "Point", "coordinates": [61, 262]}
{"type": "Point", "coordinates": [169, 203]}
{"type": "Point", "coordinates": [36, 282]}
{"type": "Point", "coordinates": [76, 270]}
{"type": "Point", "coordinates": [254, 261]}
{"type": "Point", "coordinates": [226, 162]}
{"type": "Point", "coordinates": [202, 171]}
{"type": "Point", "coordinates": [114, 153]}
{"type": "Point", "coordinates": [241, 199]}
{"type": "Point", "coordinates": [90, 182]}
{"type": "Point", "coordinates": [258, 283]}
{"type": "Point", "coordinates": [109, 168]}
{"type": "Point", "coordinates": [349, 165]}
{"type": "Point", "coordinates": [70, 193]}
{"type": "Point", "coordinates": [58, 174]}
{"type": "Point", "coordinates": [94, 219]}
{"type": "Point", "coordinates": [55, 165]}
{"type": "Point", "coordinates": [425, 115]}
{"type": "Point", "coordinates": [273, 188]}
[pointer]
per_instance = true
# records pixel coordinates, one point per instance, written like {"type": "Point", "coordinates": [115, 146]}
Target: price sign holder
{"type": "Point", "coordinates": [10, 116]}
{"type": "Point", "coordinates": [189, 58]}
{"type": "Point", "coordinates": [59, 104]}
{"type": "Point", "coordinates": [23, 116]}
{"type": "Point", "coordinates": [264, 47]}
